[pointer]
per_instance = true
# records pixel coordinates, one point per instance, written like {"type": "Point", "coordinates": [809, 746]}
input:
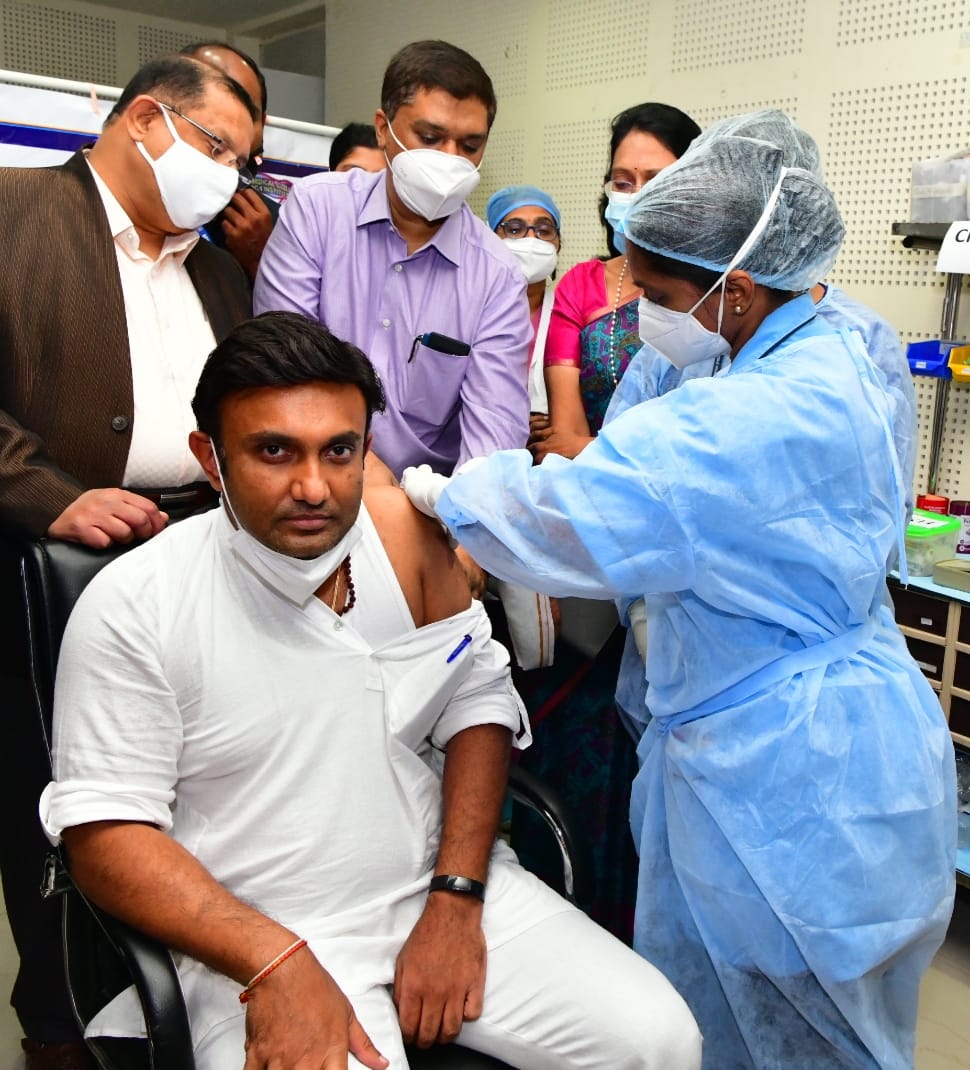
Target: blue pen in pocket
{"type": "Point", "coordinates": [458, 649]}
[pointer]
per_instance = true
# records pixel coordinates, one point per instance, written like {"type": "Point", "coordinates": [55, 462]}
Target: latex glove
{"type": "Point", "coordinates": [638, 622]}
{"type": "Point", "coordinates": [424, 487]}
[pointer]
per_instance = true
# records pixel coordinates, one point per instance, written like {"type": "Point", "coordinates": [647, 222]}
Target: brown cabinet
{"type": "Point", "coordinates": [937, 631]}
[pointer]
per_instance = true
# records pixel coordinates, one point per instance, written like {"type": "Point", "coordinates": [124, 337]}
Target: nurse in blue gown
{"type": "Point", "coordinates": [650, 374]}
{"type": "Point", "coordinates": [794, 810]}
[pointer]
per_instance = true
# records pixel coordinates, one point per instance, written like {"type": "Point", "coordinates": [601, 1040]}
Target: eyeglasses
{"type": "Point", "coordinates": [622, 185]}
{"type": "Point", "coordinates": [518, 228]}
{"type": "Point", "coordinates": [219, 150]}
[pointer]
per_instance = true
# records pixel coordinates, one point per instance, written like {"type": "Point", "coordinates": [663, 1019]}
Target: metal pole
{"type": "Point", "coordinates": [948, 333]}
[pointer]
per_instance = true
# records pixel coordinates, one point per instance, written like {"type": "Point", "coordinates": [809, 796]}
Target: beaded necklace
{"type": "Point", "coordinates": [350, 597]}
{"type": "Point", "coordinates": [611, 364]}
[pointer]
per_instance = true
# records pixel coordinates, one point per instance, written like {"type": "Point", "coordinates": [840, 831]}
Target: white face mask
{"type": "Point", "coordinates": [615, 212]}
{"type": "Point", "coordinates": [680, 336]}
{"type": "Point", "coordinates": [296, 579]}
{"type": "Point", "coordinates": [193, 187]}
{"type": "Point", "coordinates": [536, 257]}
{"type": "Point", "coordinates": [431, 183]}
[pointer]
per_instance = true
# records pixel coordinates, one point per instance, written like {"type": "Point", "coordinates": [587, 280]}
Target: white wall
{"type": "Point", "coordinates": [879, 84]}
{"type": "Point", "coordinates": [295, 96]}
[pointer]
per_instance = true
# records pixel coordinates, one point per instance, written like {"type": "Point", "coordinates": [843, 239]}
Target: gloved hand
{"type": "Point", "coordinates": [638, 622]}
{"type": "Point", "coordinates": [424, 488]}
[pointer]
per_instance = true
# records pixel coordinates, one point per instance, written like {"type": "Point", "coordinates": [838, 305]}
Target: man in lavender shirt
{"type": "Point", "coordinates": [388, 260]}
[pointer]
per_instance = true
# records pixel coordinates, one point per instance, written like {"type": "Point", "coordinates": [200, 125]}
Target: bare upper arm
{"type": "Point", "coordinates": [431, 578]}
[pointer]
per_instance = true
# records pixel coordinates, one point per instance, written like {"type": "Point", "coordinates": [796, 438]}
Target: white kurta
{"type": "Point", "coordinates": [292, 751]}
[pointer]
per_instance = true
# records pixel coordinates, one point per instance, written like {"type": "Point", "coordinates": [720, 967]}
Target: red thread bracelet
{"type": "Point", "coordinates": [269, 967]}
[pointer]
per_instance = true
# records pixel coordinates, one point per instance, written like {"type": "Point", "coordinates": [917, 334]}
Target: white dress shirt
{"type": "Point", "coordinates": [294, 752]}
{"type": "Point", "coordinates": [170, 337]}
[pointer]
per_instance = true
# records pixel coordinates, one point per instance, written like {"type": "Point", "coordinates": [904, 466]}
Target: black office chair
{"type": "Point", "coordinates": [103, 956]}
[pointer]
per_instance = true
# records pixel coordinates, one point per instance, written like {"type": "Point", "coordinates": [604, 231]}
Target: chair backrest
{"type": "Point", "coordinates": [101, 955]}
{"type": "Point", "coordinates": [53, 574]}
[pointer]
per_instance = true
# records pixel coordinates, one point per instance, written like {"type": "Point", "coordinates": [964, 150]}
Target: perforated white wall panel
{"type": "Point", "coordinates": [154, 41]}
{"type": "Point", "coordinates": [587, 40]}
{"type": "Point", "coordinates": [721, 33]}
{"type": "Point", "coordinates": [882, 21]}
{"type": "Point", "coordinates": [50, 40]}
{"type": "Point", "coordinates": [86, 42]}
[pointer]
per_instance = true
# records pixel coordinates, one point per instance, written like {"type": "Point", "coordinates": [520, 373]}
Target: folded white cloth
{"type": "Point", "coordinates": [531, 623]}
{"type": "Point", "coordinates": [638, 622]}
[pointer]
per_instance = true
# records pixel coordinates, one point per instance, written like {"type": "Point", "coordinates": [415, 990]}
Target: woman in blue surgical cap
{"type": "Point", "coordinates": [795, 807]}
{"type": "Point", "coordinates": [527, 220]}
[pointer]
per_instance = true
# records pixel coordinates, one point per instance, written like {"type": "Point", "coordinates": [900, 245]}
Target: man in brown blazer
{"type": "Point", "coordinates": [109, 305]}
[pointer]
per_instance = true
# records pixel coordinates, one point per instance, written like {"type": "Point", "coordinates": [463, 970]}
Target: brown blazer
{"type": "Point", "coordinates": [66, 396]}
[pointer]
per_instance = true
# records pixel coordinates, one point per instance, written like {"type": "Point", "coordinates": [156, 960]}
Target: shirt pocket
{"type": "Point", "coordinates": [432, 387]}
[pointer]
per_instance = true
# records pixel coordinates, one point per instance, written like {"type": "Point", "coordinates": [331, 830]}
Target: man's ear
{"type": "Point", "coordinates": [203, 448]}
{"type": "Point", "coordinates": [368, 442]}
{"type": "Point", "coordinates": [139, 116]}
{"type": "Point", "coordinates": [380, 128]}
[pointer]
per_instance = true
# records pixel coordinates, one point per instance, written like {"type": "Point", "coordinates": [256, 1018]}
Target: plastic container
{"type": "Point", "coordinates": [930, 538]}
{"type": "Point", "coordinates": [933, 503]}
{"type": "Point", "coordinates": [959, 363]}
{"type": "Point", "coordinates": [961, 509]}
{"type": "Point", "coordinates": [930, 358]}
{"type": "Point", "coordinates": [939, 189]}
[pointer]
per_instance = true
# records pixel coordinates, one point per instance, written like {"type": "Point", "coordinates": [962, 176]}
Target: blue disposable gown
{"type": "Point", "coordinates": [650, 375]}
{"type": "Point", "coordinates": [795, 806]}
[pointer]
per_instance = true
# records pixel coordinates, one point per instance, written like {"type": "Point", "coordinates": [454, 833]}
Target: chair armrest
{"type": "Point", "coordinates": [91, 937]}
{"type": "Point", "coordinates": [549, 805]}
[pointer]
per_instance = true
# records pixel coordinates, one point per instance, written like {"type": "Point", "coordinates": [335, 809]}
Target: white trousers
{"type": "Point", "coordinates": [564, 995]}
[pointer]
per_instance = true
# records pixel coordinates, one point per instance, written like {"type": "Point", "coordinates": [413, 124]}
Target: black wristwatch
{"type": "Point", "coordinates": [448, 882]}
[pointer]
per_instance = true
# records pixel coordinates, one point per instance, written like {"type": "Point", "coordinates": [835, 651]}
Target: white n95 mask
{"type": "Point", "coordinates": [432, 183]}
{"type": "Point", "coordinates": [536, 257]}
{"type": "Point", "coordinates": [680, 336]}
{"type": "Point", "coordinates": [193, 187]}
{"type": "Point", "coordinates": [296, 579]}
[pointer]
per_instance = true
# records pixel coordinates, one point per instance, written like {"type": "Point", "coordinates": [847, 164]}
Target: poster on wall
{"type": "Point", "coordinates": [40, 127]}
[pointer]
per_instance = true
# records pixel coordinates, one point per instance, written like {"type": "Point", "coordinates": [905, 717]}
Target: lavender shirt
{"type": "Point", "coordinates": [336, 256]}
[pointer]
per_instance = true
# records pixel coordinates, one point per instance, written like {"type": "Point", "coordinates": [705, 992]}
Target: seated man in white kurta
{"type": "Point", "coordinates": [280, 720]}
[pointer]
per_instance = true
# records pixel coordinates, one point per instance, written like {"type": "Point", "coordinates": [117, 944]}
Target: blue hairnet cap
{"type": "Point", "coordinates": [798, 147]}
{"type": "Point", "coordinates": [702, 208]}
{"type": "Point", "coordinates": [512, 197]}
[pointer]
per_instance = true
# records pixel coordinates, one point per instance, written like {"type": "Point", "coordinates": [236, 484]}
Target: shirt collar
{"type": "Point", "coordinates": [376, 208]}
{"type": "Point", "coordinates": [776, 326]}
{"type": "Point", "coordinates": [126, 237]}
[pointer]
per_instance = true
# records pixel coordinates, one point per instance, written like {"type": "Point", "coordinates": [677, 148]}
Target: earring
{"type": "Point", "coordinates": [737, 310]}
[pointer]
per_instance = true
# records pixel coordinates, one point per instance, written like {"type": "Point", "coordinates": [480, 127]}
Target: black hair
{"type": "Point", "coordinates": [435, 65]}
{"type": "Point", "coordinates": [183, 81]}
{"type": "Point", "coordinates": [200, 46]}
{"type": "Point", "coordinates": [280, 349]}
{"type": "Point", "coordinates": [353, 136]}
{"type": "Point", "coordinates": [674, 129]}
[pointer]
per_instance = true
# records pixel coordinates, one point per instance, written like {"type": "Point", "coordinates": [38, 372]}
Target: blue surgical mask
{"type": "Point", "coordinates": [616, 210]}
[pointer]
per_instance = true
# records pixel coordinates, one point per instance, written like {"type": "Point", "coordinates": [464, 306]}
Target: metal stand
{"type": "Point", "coordinates": [948, 333]}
